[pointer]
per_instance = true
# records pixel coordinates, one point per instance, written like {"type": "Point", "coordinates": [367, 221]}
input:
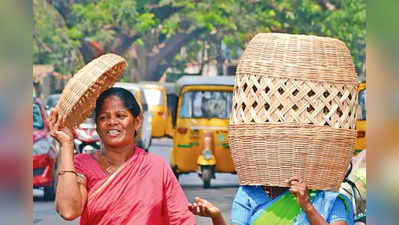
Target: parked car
{"type": "Point", "coordinates": [44, 154]}
{"type": "Point", "coordinates": [143, 138]}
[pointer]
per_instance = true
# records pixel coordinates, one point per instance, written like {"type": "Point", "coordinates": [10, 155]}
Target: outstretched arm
{"type": "Point", "coordinates": [202, 207]}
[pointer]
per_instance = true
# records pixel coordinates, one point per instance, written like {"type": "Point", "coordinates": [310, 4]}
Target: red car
{"type": "Point", "coordinates": [44, 153]}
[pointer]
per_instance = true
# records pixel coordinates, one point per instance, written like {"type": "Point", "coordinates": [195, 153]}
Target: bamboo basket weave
{"type": "Point", "coordinates": [79, 96]}
{"type": "Point", "coordinates": [294, 104]}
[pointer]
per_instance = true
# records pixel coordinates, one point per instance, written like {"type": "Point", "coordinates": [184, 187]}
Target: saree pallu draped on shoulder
{"type": "Point", "coordinates": [142, 192]}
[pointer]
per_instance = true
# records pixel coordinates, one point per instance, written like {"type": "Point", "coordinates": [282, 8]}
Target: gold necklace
{"type": "Point", "coordinates": [105, 163]}
{"type": "Point", "coordinates": [109, 168]}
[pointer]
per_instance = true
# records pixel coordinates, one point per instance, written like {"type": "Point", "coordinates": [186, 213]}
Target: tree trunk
{"type": "Point", "coordinates": [87, 52]}
{"type": "Point", "coordinates": [137, 63]}
{"type": "Point", "coordinates": [219, 59]}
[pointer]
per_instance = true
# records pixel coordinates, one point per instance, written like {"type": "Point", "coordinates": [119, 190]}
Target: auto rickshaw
{"type": "Point", "coordinates": [200, 142]}
{"type": "Point", "coordinates": [155, 95]}
{"type": "Point", "coordinates": [171, 96]}
{"type": "Point", "coordinates": [360, 143]}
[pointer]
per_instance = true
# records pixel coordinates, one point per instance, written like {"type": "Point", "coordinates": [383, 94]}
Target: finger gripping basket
{"type": "Point", "coordinates": [294, 105]}
{"type": "Point", "coordinates": [79, 96]}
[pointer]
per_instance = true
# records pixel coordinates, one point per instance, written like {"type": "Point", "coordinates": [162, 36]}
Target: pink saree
{"type": "Point", "coordinates": [145, 191]}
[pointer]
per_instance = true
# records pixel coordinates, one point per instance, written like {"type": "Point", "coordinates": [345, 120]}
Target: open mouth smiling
{"type": "Point", "coordinates": [113, 132]}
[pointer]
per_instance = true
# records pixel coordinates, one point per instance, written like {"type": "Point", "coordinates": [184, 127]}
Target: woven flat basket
{"type": "Point", "coordinates": [294, 104]}
{"type": "Point", "coordinates": [78, 99]}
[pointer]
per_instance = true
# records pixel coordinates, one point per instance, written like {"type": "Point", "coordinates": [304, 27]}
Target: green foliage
{"type": "Point", "coordinates": [98, 20]}
{"type": "Point", "coordinates": [52, 43]}
{"type": "Point", "coordinates": [226, 24]}
{"type": "Point", "coordinates": [145, 23]}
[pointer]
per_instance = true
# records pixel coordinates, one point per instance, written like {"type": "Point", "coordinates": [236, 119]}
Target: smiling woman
{"type": "Point", "coordinates": [117, 118]}
{"type": "Point", "coordinates": [121, 184]}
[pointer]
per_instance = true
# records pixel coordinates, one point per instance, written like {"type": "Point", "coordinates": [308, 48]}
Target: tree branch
{"type": "Point", "coordinates": [165, 11]}
{"type": "Point", "coordinates": [63, 8]}
{"type": "Point", "coordinates": [171, 47]}
{"type": "Point", "coordinates": [123, 42]}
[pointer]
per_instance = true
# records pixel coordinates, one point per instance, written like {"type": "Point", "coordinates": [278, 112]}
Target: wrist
{"type": "Point", "coordinates": [67, 146]}
{"type": "Point", "coordinates": [218, 219]}
{"type": "Point", "coordinates": [216, 215]}
{"type": "Point", "coordinates": [67, 143]}
{"type": "Point", "coordinates": [308, 207]}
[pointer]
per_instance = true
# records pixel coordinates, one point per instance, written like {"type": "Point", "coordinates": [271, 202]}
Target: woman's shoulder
{"type": "Point", "coordinates": [250, 192]}
{"type": "Point", "coordinates": [152, 158]}
{"type": "Point", "coordinates": [157, 159]}
{"type": "Point", "coordinates": [332, 195]}
{"type": "Point", "coordinates": [84, 163]}
{"type": "Point", "coordinates": [251, 189]}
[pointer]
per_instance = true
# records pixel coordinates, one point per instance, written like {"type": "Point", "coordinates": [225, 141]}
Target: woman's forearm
{"type": "Point", "coordinates": [314, 216]}
{"type": "Point", "coordinates": [218, 220]}
{"type": "Point", "coordinates": [68, 196]}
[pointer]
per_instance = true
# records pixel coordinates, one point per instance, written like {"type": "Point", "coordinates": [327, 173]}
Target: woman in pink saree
{"type": "Point", "coordinates": [122, 184]}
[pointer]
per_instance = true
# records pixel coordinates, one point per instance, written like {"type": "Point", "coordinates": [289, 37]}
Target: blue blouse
{"type": "Point", "coordinates": [251, 201]}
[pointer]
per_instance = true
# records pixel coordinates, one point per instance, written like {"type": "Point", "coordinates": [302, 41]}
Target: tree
{"type": "Point", "coordinates": [51, 40]}
{"type": "Point", "coordinates": [158, 34]}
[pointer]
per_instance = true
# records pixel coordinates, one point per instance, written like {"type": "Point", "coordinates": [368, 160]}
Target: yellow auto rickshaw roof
{"type": "Point", "coordinates": [127, 85]}
{"type": "Point", "coordinates": [151, 84]}
{"type": "Point", "coordinates": [205, 80]}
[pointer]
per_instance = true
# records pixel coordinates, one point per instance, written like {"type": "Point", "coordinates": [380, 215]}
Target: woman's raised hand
{"type": "Point", "coordinates": [61, 133]}
{"type": "Point", "coordinates": [202, 207]}
{"type": "Point", "coordinates": [299, 189]}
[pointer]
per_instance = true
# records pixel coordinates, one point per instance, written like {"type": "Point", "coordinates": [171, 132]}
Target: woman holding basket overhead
{"type": "Point", "coordinates": [291, 132]}
{"type": "Point", "coordinates": [121, 184]}
{"type": "Point", "coordinates": [265, 205]}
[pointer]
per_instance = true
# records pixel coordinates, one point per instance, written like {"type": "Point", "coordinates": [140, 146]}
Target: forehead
{"type": "Point", "coordinates": [113, 103]}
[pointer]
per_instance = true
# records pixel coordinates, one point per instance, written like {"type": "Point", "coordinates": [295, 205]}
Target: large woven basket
{"type": "Point", "coordinates": [294, 104]}
{"type": "Point", "coordinates": [79, 96]}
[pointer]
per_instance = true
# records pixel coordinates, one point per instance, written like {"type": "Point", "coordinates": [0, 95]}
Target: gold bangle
{"type": "Point", "coordinates": [62, 172]}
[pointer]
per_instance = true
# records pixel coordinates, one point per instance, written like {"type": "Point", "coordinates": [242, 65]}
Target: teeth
{"type": "Point", "coordinates": [113, 132]}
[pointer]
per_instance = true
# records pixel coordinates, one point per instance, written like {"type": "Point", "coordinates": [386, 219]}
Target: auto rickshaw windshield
{"type": "Point", "coordinates": [206, 104]}
{"type": "Point", "coordinates": [154, 97]}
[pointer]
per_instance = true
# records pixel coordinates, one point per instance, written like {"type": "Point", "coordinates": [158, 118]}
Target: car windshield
{"type": "Point", "coordinates": [206, 104]}
{"type": "Point", "coordinates": [37, 117]}
{"type": "Point", "coordinates": [362, 103]}
{"type": "Point", "coordinates": [52, 101]}
{"type": "Point", "coordinates": [154, 97]}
